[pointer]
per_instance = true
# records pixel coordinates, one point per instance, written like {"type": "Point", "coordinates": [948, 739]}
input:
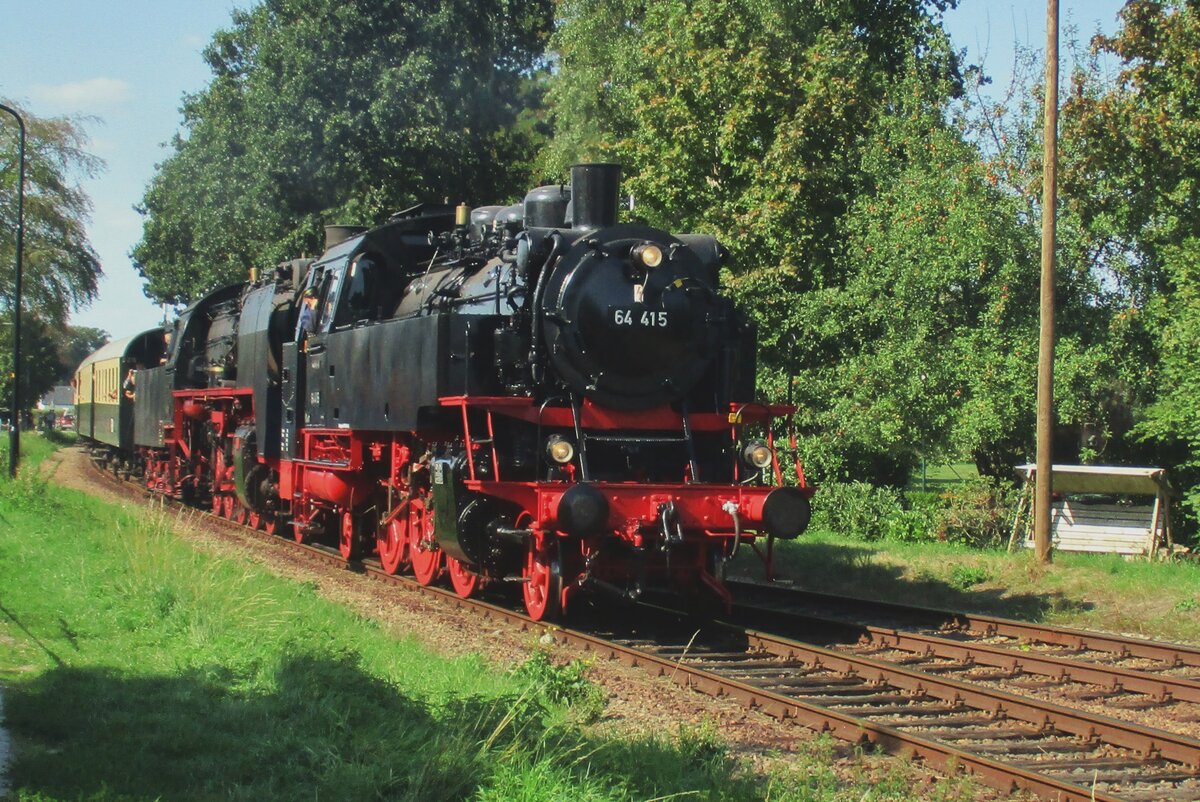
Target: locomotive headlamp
{"type": "Point", "coordinates": [648, 254]}
{"type": "Point", "coordinates": [560, 449]}
{"type": "Point", "coordinates": [758, 454]}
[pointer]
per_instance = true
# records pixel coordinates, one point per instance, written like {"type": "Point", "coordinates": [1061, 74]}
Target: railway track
{"type": "Point", "coordinates": [904, 705]}
{"type": "Point", "coordinates": [1163, 673]}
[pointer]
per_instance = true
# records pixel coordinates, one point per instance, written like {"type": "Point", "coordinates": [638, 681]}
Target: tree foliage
{"type": "Point", "coordinates": [61, 270]}
{"type": "Point", "coordinates": [884, 225]}
{"type": "Point", "coordinates": [1133, 177]}
{"type": "Point", "coordinates": [40, 365]}
{"type": "Point", "coordinates": [324, 111]}
{"type": "Point", "coordinates": [889, 269]}
{"type": "Point", "coordinates": [76, 344]}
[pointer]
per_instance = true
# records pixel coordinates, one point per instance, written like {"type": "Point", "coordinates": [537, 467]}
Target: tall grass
{"type": "Point", "coordinates": [139, 667]}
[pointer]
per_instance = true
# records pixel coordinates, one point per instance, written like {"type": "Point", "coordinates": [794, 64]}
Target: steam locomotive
{"type": "Point", "coordinates": [533, 393]}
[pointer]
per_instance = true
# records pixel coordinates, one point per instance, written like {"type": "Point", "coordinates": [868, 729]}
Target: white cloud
{"type": "Point", "coordinates": [93, 94]}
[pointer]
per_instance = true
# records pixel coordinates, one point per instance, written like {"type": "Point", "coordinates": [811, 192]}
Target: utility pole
{"type": "Point", "coordinates": [14, 438]}
{"type": "Point", "coordinates": [1045, 383]}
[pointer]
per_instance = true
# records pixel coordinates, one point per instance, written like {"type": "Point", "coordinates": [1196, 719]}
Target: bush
{"type": "Point", "coordinates": [565, 684]}
{"type": "Point", "coordinates": [977, 514]}
{"type": "Point", "coordinates": [857, 509]}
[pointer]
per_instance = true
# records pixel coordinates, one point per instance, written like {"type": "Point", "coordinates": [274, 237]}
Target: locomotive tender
{"type": "Point", "coordinates": [532, 392]}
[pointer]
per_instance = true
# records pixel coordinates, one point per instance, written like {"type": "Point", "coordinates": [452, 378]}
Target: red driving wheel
{"type": "Point", "coordinates": [542, 588]}
{"type": "Point", "coordinates": [466, 582]}
{"type": "Point", "coordinates": [423, 549]}
{"type": "Point", "coordinates": [227, 507]}
{"type": "Point", "coordinates": [392, 544]}
{"type": "Point", "coordinates": [349, 542]}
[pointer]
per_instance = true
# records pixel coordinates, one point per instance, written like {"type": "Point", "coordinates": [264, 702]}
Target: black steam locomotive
{"type": "Point", "coordinates": [530, 391]}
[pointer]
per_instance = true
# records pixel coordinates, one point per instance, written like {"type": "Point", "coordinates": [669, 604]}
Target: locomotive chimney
{"type": "Point", "coordinates": [594, 189]}
{"type": "Point", "coordinates": [336, 234]}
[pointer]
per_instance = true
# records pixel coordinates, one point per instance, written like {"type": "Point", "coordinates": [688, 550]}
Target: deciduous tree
{"type": "Point", "coordinates": [1134, 179]}
{"type": "Point", "coordinates": [324, 111]}
{"type": "Point", "coordinates": [74, 346]}
{"type": "Point", "coordinates": [61, 270]}
{"type": "Point", "coordinates": [40, 365]}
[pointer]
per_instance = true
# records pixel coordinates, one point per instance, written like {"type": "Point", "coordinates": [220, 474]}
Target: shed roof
{"type": "Point", "coordinates": [1104, 479]}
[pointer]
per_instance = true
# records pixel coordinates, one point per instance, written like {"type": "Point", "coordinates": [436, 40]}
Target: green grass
{"type": "Point", "coordinates": [1153, 599]}
{"type": "Point", "coordinates": [138, 667]}
{"type": "Point", "coordinates": [35, 447]}
{"type": "Point", "coordinates": [937, 477]}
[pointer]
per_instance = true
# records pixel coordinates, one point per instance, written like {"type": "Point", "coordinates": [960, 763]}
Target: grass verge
{"type": "Point", "coordinates": [1152, 599]}
{"type": "Point", "coordinates": [136, 667]}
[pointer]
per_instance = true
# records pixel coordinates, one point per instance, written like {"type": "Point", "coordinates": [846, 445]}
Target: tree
{"type": "Point", "coordinates": [76, 345]}
{"type": "Point", "coordinates": [61, 270]}
{"type": "Point", "coordinates": [882, 229]}
{"type": "Point", "coordinates": [39, 359]}
{"type": "Point", "coordinates": [323, 111]}
{"type": "Point", "coordinates": [1133, 174]}
{"type": "Point", "coordinates": [886, 269]}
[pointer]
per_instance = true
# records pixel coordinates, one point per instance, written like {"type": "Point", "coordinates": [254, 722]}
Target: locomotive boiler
{"type": "Point", "coordinates": [536, 393]}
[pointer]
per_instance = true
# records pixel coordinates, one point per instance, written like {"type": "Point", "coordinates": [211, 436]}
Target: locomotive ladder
{"type": "Point", "coordinates": [583, 438]}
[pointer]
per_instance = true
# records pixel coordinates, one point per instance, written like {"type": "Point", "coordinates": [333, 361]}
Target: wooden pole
{"type": "Point", "coordinates": [1045, 384]}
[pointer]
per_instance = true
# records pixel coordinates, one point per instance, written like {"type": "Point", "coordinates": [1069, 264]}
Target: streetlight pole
{"type": "Point", "coordinates": [14, 440]}
{"type": "Point", "coordinates": [1045, 383]}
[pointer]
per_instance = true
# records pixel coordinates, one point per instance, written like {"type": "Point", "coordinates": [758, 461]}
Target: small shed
{"type": "Point", "coordinates": [1107, 528]}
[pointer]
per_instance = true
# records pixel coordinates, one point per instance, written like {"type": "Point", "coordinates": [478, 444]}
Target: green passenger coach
{"type": "Point", "coordinates": [103, 410]}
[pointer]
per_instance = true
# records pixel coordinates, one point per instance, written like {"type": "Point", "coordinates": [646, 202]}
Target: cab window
{"type": "Point", "coordinates": [358, 299]}
{"type": "Point", "coordinates": [326, 291]}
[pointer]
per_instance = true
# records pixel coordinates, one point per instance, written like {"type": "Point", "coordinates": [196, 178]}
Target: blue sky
{"type": "Point", "coordinates": [129, 62]}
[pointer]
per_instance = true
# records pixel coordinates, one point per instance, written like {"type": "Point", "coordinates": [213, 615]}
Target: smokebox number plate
{"type": "Point", "coordinates": [638, 316]}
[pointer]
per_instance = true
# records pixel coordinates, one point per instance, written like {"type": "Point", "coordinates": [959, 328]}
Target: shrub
{"type": "Point", "coordinates": [564, 684]}
{"type": "Point", "coordinates": [857, 509]}
{"type": "Point", "coordinates": [976, 514]}
{"type": "Point", "coordinates": [965, 577]}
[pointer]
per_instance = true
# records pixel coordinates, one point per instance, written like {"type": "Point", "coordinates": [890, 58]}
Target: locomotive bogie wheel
{"type": "Point", "coordinates": [217, 505]}
{"type": "Point", "coordinates": [392, 545]}
{"type": "Point", "coordinates": [272, 524]}
{"type": "Point", "coordinates": [240, 513]}
{"type": "Point", "coordinates": [299, 534]}
{"type": "Point", "coordinates": [349, 543]}
{"type": "Point", "coordinates": [227, 507]}
{"type": "Point", "coordinates": [423, 551]}
{"type": "Point", "coordinates": [254, 520]}
{"type": "Point", "coordinates": [542, 586]}
{"type": "Point", "coordinates": [466, 583]}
